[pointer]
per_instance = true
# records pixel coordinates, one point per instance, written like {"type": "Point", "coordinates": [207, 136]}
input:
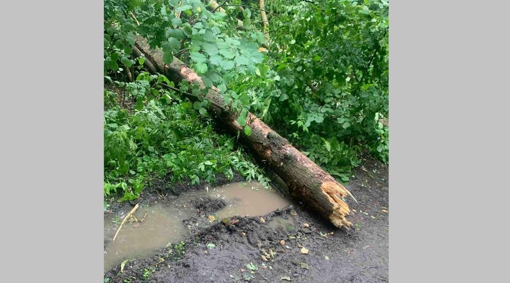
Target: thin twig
{"type": "Point", "coordinates": [265, 22]}
{"type": "Point", "coordinates": [125, 218]}
{"type": "Point", "coordinates": [178, 14]}
{"type": "Point", "coordinates": [218, 7]}
{"type": "Point", "coordinates": [133, 16]}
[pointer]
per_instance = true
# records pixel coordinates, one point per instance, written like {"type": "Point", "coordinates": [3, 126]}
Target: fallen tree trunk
{"type": "Point", "coordinates": [305, 179]}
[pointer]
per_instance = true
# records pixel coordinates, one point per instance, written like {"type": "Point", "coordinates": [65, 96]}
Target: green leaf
{"type": "Point", "coordinates": [203, 111]}
{"type": "Point", "coordinates": [207, 81]}
{"type": "Point", "coordinates": [184, 8]}
{"type": "Point", "coordinates": [168, 57]}
{"type": "Point", "coordinates": [247, 13]}
{"type": "Point", "coordinates": [222, 88]}
{"type": "Point", "coordinates": [227, 53]}
{"type": "Point", "coordinates": [175, 34]}
{"type": "Point", "coordinates": [232, 41]}
{"type": "Point", "coordinates": [210, 48]}
{"type": "Point", "coordinates": [186, 28]}
{"type": "Point", "coordinates": [174, 44]}
{"type": "Point", "coordinates": [197, 57]}
{"type": "Point", "coordinates": [242, 117]}
{"type": "Point", "coordinates": [227, 65]}
{"type": "Point", "coordinates": [216, 59]}
{"type": "Point", "coordinates": [247, 130]}
{"type": "Point", "coordinates": [201, 68]}
{"type": "Point", "coordinates": [327, 144]}
{"type": "Point", "coordinates": [130, 39]}
{"type": "Point", "coordinates": [139, 104]}
{"type": "Point", "coordinates": [197, 105]}
{"type": "Point", "coordinates": [122, 264]}
{"type": "Point", "coordinates": [242, 60]}
{"type": "Point", "coordinates": [126, 62]}
{"type": "Point", "coordinates": [209, 36]}
{"type": "Point", "coordinates": [245, 99]}
{"type": "Point", "coordinates": [257, 57]}
{"type": "Point", "coordinates": [176, 22]}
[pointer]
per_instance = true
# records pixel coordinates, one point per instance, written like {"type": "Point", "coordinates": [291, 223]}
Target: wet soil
{"type": "Point", "coordinates": [289, 245]}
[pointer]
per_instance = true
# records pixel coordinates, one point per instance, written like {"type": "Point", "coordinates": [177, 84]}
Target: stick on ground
{"type": "Point", "coordinates": [125, 218]}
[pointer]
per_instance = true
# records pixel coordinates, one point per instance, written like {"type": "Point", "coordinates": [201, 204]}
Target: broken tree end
{"type": "Point", "coordinates": [340, 208]}
{"type": "Point", "coordinates": [339, 220]}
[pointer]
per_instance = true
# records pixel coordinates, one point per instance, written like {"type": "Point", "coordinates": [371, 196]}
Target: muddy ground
{"type": "Point", "coordinates": [247, 249]}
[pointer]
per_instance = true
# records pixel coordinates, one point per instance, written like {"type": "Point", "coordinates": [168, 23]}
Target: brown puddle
{"type": "Point", "coordinates": [279, 222]}
{"type": "Point", "coordinates": [154, 227]}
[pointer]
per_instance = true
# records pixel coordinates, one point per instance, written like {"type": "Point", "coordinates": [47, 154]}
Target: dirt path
{"type": "Point", "coordinates": [292, 245]}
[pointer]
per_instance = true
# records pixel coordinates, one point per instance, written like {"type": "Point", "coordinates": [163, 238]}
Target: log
{"type": "Point", "coordinates": [306, 181]}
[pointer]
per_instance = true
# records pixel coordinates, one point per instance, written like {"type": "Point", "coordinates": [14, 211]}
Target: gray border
{"type": "Point", "coordinates": [448, 67]}
{"type": "Point", "coordinates": [51, 141]}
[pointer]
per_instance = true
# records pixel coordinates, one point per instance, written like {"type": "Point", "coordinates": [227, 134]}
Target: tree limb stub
{"type": "Point", "coordinates": [306, 180]}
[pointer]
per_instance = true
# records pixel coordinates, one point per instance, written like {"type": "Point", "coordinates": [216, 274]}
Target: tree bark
{"type": "Point", "coordinates": [306, 181]}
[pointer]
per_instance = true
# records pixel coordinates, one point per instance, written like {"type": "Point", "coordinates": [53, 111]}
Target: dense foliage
{"type": "Point", "coordinates": [317, 74]}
